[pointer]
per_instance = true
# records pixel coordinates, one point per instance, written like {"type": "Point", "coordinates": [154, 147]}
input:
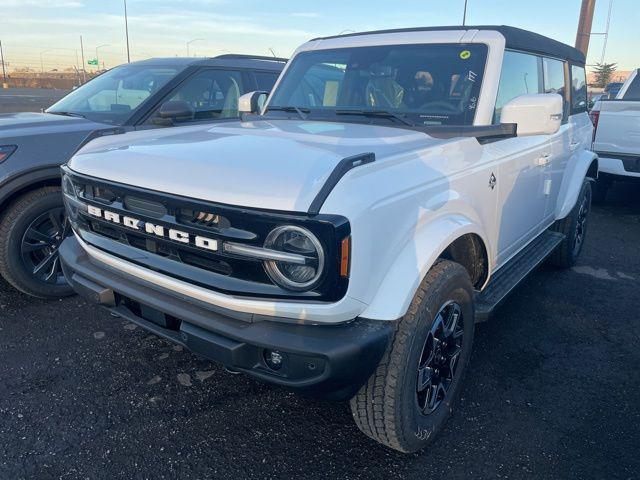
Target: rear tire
{"type": "Point", "coordinates": [397, 406]}
{"type": "Point", "coordinates": [574, 227]}
{"type": "Point", "coordinates": [31, 230]}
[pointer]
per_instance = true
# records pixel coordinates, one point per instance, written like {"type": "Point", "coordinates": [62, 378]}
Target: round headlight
{"type": "Point", "coordinates": [303, 245]}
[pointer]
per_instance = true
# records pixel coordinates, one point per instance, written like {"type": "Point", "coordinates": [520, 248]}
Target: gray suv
{"type": "Point", "coordinates": [142, 95]}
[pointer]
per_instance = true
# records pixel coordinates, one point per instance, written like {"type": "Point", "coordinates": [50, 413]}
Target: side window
{"type": "Point", "coordinates": [578, 89]}
{"type": "Point", "coordinates": [520, 75]}
{"type": "Point", "coordinates": [266, 80]}
{"type": "Point", "coordinates": [554, 80]}
{"type": "Point", "coordinates": [633, 91]}
{"type": "Point", "coordinates": [211, 93]}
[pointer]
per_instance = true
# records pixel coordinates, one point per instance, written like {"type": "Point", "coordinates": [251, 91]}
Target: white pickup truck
{"type": "Point", "coordinates": [344, 239]}
{"type": "Point", "coordinates": [617, 136]}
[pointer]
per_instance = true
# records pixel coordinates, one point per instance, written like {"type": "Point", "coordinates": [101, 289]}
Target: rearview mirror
{"type": "Point", "coordinates": [176, 110]}
{"type": "Point", "coordinates": [534, 114]}
{"type": "Point", "coordinates": [252, 102]}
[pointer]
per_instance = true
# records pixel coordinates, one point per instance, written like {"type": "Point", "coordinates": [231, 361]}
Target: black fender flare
{"type": "Point", "coordinates": [23, 180]}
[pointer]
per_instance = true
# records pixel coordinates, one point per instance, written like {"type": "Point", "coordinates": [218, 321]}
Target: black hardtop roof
{"type": "Point", "coordinates": [227, 60]}
{"type": "Point", "coordinates": [516, 39]}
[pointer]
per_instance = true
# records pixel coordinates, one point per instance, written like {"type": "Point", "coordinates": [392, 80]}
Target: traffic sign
{"type": "Point", "coordinates": [93, 61]}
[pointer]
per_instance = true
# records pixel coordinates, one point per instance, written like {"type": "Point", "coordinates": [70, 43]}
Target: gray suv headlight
{"type": "Point", "coordinates": [306, 271]}
{"type": "Point", "coordinates": [67, 186]}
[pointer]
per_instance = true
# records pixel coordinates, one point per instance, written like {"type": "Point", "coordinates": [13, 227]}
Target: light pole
{"type": "Point", "coordinates": [97, 48]}
{"type": "Point", "coordinates": [4, 71]}
{"type": "Point", "coordinates": [191, 41]}
{"type": "Point", "coordinates": [42, 61]}
{"type": "Point", "coordinates": [126, 30]}
{"type": "Point", "coordinates": [84, 70]}
{"type": "Point", "coordinates": [464, 14]}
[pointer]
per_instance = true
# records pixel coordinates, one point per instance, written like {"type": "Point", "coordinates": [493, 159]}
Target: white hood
{"type": "Point", "coordinates": [270, 164]}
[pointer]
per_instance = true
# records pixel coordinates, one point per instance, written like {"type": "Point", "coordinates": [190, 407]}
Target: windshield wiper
{"type": "Point", "coordinates": [300, 111]}
{"type": "Point", "coordinates": [68, 114]}
{"type": "Point", "coordinates": [377, 113]}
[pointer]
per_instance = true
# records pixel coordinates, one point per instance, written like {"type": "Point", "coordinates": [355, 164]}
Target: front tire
{"type": "Point", "coordinates": [408, 399]}
{"type": "Point", "coordinates": [31, 230]}
{"type": "Point", "coordinates": [574, 227]}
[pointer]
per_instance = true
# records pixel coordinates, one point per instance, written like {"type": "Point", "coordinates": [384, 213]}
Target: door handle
{"type": "Point", "coordinates": [574, 145]}
{"type": "Point", "coordinates": [543, 160]}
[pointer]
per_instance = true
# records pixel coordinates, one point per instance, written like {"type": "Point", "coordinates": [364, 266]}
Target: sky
{"type": "Point", "coordinates": [46, 33]}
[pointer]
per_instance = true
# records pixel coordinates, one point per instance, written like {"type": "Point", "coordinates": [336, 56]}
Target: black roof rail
{"type": "Point", "coordinates": [238, 56]}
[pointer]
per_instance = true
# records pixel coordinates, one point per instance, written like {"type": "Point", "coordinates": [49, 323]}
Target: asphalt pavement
{"type": "Point", "coordinates": [553, 391]}
{"type": "Point", "coordinates": [28, 99]}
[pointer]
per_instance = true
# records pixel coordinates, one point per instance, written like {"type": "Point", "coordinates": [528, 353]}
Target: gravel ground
{"type": "Point", "coordinates": [28, 99]}
{"type": "Point", "coordinates": [552, 391]}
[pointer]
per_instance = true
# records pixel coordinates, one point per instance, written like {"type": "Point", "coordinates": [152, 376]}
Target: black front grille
{"type": "Point", "coordinates": [217, 270]}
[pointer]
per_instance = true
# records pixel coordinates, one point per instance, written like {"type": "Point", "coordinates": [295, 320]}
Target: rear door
{"type": "Point", "coordinates": [556, 80]}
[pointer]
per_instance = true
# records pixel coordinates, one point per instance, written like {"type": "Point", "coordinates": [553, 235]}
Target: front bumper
{"type": "Point", "coordinates": [329, 361]}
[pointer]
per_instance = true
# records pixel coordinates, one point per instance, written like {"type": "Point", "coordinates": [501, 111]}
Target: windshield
{"type": "Point", "coordinates": [115, 95]}
{"type": "Point", "coordinates": [429, 84]}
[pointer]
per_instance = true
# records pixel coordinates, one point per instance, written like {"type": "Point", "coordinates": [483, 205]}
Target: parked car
{"type": "Point", "coordinates": [612, 89]}
{"type": "Point", "coordinates": [616, 137]}
{"type": "Point", "coordinates": [396, 186]}
{"type": "Point", "coordinates": [594, 98]}
{"type": "Point", "coordinates": [138, 96]}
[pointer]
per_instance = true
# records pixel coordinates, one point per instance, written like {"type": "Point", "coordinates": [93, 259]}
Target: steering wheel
{"type": "Point", "coordinates": [440, 106]}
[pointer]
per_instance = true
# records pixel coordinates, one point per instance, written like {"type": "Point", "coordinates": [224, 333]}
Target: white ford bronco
{"type": "Point", "coordinates": [343, 238]}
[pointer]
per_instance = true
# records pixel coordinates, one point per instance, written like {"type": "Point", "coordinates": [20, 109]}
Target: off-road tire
{"type": "Point", "coordinates": [386, 407]}
{"type": "Point", "coordinates": [13, 223]}
{"type": "Point", "coordinates": [567, 253]}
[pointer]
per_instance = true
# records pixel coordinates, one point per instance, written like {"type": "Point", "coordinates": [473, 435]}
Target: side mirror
{"type": "Point", "coordinates": [534, 114]}
{"type": "Point", "coordinates": [252, 102]}
{"type": "Point", "coordinates": [176, 110]}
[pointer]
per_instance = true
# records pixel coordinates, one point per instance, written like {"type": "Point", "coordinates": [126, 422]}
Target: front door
{"type": "Point", "coordinates": [520, 179]}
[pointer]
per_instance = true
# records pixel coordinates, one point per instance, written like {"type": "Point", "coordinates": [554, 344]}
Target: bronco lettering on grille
{"type": "Point", "coordinates": [153, 229]}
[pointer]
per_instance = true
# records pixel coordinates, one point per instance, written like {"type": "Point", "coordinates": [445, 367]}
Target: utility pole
{"type": "Point", "coordinates": [42, 60]}
{"type": "Point", "coordinates": [4, 71]}
{"type": "Point", "coordinates": [584, 25]}
{"type": "Point", "coordinates": [464, 14]}
{"type": "Point", "coordinates": [84, 71]}
{"type": "Point", "coordinates": [126, 30]}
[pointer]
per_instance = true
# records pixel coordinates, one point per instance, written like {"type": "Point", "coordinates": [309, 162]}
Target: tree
{"type": "Point", "coordinates": [603, 73]}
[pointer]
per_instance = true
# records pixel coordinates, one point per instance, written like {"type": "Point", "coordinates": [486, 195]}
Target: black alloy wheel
{"type": "Point", "coordinates": [439, 359]}
{"type": "Point", "coordinates": [40, 244]}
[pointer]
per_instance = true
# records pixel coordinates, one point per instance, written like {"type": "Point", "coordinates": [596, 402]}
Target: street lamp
{"type": "Point", "coordinates": [41, 61]}
{"type": "Point", "coordinates": [464, 14]}
{"type": "Point", "coordinates": [126, 30]}
{"type": "Point", "coordinates": [97, 48]}
{"type": "Point", "coordinates": [191, 41]}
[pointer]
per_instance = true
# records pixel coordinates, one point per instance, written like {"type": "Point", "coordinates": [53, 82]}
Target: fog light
{"type": "Point", "coordinates": [273, 359]}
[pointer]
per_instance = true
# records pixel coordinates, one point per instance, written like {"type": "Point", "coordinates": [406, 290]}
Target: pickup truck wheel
{"type": "Point", "coordinates": [407, 401]}
{"type": "Point", "coordinates": [574, 227]}
{"type": "Point", "coordinates": [31, 230]}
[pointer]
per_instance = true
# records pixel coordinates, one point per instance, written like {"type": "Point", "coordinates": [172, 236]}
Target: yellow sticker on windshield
{"type": "Point", "coordinates": [465, 54]}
